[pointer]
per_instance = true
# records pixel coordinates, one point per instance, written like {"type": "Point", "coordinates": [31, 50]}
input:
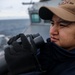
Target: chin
{"type": "Point", "coordinates": [57, 43]}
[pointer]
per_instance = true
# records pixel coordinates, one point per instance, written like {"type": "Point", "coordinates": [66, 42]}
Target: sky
{"type": "Point", "coordinates": [12, 9]}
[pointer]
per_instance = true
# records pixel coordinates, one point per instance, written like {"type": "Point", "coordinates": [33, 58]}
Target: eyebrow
{"type": "Point", "coordinates": [65, 21]}
{"type": "Point", "coordinates": [59, 20]}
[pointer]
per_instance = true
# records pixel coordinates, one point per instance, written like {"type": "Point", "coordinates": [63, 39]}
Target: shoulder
{"type": "Point", "coordinates": [69, 68]}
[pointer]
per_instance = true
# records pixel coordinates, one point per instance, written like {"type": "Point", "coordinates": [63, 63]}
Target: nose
{"type": "Point", "coordinates": [54, 30]}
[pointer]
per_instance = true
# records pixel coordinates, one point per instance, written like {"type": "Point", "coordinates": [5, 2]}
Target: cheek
{"type": "Point", "coordinates": [63, 35]}
{"type": "Point", "coordinates": [67, 33]}
{"type": "Point", "coordinates": [66, 37]}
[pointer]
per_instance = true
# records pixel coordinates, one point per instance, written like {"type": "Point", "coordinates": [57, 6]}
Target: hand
{"type": "Point", "coordinates": [20, 57]}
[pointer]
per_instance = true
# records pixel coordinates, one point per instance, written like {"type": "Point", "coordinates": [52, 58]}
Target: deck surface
{"type": "Point", "coordinates": [43, 30]}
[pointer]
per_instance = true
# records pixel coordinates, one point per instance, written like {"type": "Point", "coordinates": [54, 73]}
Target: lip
{"type": "Point", "coordinates": [53, 39]}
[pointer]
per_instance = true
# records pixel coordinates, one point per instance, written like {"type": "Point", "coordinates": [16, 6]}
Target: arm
{"type": "Point", "coordinates": [21, 57]}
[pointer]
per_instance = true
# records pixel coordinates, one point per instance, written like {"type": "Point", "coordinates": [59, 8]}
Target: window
{"type": "Point", "coordinates": [35, 18]}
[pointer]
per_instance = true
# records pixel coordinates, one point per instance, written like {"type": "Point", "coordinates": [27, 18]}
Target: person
{"type": "Point", "coordinates": [57, 55]}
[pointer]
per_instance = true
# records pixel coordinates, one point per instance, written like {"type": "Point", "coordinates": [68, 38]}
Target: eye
{"type": "Point", "coordinates": [64, 23]}
{"type": "Point", "coordinates": [52, 23]}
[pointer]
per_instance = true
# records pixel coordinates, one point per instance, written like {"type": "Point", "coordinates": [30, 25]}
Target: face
{"type": "Point", "coordinates": [62, 33]}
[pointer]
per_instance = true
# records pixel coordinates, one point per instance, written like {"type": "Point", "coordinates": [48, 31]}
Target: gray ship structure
{"type": "Point", "coordinates": [38, 25]}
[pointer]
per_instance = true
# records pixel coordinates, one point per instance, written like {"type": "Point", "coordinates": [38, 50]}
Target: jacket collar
{"type": "Point", "coordinates": [60, 54]}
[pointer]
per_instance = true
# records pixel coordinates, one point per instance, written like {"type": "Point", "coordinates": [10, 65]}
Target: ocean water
{"type": "Point", "coordinates": [13, 27]}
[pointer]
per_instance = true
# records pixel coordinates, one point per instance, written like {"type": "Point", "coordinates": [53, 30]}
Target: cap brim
{"type": "Point", "coordinates": [46, 13]}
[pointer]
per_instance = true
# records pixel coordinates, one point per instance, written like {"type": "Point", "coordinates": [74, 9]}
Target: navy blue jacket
{"type": "Point", "coordinates": [56, 60]}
